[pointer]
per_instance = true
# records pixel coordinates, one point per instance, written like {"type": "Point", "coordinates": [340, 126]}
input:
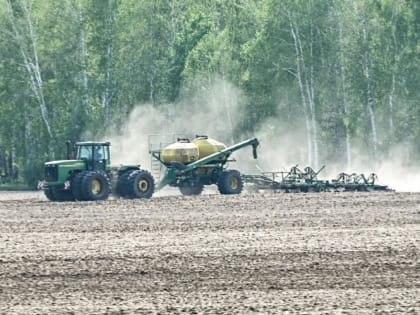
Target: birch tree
{"type": "Point", "coordinates": [366, 63]}
{"type": "Point", "coordinates": [340, 18]}
{"type": "Point", "coordinates": [304, 75]}
{"type": "Point", "coordinates": [24, 34]}
{"type": "Point", "coordinates": [97, 53]}
{"type": "Point", "coordinates": [396, 18]}
{"type": "Point", "coordinates": [84, 60]}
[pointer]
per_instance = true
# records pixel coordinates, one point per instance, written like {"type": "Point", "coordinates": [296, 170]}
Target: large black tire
{"type": "Point", "coordinates": [230, 182]}
{"type": "Point", "coordinates": [139, 184]}
{"type": "Point", "coordinates": [195, 190]}
{"type": "Point", "coordinates": [49, 193]}
{"type": "Point", "coordinates": [76, 186]}
{"type": "Point", "coordinates": [95, 186]}
{"type": "Point", "coordinates": [64, 195]}
{"type": "Point", "coordinates": [121, 190]}
{"type": "Point", "coordinates": [58, 194]}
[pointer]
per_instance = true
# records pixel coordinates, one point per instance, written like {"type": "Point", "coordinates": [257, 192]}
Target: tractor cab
{"type": "Point", "coordinates": [96, 154]}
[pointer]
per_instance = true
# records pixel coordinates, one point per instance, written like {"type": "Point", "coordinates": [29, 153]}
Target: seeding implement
{"type": "Point", "coordinates": [307, 180]}
{"type": "Point", "coordinates": [190, 165]}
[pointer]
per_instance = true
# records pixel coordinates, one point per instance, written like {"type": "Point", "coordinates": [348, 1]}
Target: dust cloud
{"type": "Point", "coordinates": [399, 170]}
{"type": "Point", "coordinates": [217, 112]}
{"type": "Point", "coordinates": [280, 153]}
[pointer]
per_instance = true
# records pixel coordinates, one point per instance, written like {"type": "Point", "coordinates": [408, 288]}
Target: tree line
{"type": "Point", "coordinates": [343, 74]}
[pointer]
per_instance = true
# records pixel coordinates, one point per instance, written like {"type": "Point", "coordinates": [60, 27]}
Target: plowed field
{"type": "Point", "coordinates": [259, 253]}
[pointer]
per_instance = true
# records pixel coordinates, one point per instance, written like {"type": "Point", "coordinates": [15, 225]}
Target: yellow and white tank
{"type": "Point", "coordinates": [185, 152]}
{"type": "Point", "coordinates": [182, 151]}
{"type": "Point", "coordinates": [207, 146]}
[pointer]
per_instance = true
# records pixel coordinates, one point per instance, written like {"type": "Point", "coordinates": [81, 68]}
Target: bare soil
{"type": "Point", "coordinates": [256, 253]}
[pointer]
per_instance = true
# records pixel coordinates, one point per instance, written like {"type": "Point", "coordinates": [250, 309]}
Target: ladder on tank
{"type": "Point", "coordinates": [156, 143]}
{"type": "Point", "coordinates": [156, 168]}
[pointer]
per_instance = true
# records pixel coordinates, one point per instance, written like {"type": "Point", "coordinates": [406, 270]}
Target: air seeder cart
{"type": "Point", "coordinates": [190, 165]}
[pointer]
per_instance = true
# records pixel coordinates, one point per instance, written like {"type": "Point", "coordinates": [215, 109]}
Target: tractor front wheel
{"type": "Point", "coordinates": [58, 194]}
{"type": "Point", "coordinates": [230, 182]}
{"type": "Point", "coordinates": [95, 186]}
{"type": "Point", "coordinates": [76, 186]}
{"type": "Point", "coordinates": [49, 193]}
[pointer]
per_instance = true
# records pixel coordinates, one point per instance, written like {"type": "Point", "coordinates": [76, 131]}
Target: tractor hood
{"type": "Point", "coordinates": [57, 172]}
{"type": "Point", "coordinates": [66, 163]}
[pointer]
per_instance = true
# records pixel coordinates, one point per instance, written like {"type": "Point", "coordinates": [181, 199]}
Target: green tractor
{"type": "Point", "coordinates": [89, 176]}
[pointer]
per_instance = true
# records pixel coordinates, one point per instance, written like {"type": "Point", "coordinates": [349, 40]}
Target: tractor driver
{"type": "Point", "coordinates": [97, 154]}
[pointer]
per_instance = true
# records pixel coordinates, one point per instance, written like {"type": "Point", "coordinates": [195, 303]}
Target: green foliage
{"type": "Point", "coordinates": [336, 72]}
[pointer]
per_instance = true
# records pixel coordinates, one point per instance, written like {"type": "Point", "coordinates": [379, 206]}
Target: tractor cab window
{"type": "Point", "coordinates": [98, 153]}
{"type": "Point", "coordinates": [85, 152]}
{"type": "Point", "coordinates": [93, 152]}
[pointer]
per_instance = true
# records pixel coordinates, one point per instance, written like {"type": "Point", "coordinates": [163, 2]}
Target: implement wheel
{"type": "Point", "coordinates": [195, 190]}
{"type": "Point", "coordinates": [230, 182]}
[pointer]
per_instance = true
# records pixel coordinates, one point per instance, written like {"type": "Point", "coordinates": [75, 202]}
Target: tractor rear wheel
{"type": "Point", "coordinates": [139, 184]}
{"type": "Point", "coordinates": [95, 186]}
{"type": "Point", "coordinates": [195, 190]}
{"type": "Point", "coordinates": [122, 185]}
{"type": "Point", "coordinates": [230, 182]}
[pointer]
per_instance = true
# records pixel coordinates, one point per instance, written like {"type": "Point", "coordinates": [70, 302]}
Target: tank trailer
{"type": "Point", "coordinates": [87, 175]}
{"type": "Point", "coordinates": [190, 165]}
